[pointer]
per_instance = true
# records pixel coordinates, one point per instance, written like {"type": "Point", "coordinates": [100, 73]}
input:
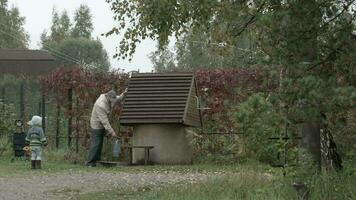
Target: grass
{"type": "Point", "coordinates": [19, 168]}
{"type": "Point", "coordinates": [245, 181]}
{"type": "Point", "coordinates": [242, 184]}
{"type": "Point", "coordinates": [56, 163]}
{"type": "Point", "coordinates": [250, 181]}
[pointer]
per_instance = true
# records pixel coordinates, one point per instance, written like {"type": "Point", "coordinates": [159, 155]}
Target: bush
{"type": "Point", "coordinates": [7, 118]}
{"type": "Point", "coordinates": [258, 120]}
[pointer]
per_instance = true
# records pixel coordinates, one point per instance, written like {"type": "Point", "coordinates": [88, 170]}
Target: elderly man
{"type": "Point", "coordinates": [100, 125]}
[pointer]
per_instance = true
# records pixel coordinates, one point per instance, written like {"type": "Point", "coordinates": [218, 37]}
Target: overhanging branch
{"type": "Point", "coordinates": [251, 20]}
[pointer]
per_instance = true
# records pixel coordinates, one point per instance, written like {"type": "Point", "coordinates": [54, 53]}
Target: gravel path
{"type": "Point", "coordinates": [64, 184]}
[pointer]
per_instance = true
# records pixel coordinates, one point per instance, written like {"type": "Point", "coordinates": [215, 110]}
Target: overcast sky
{"type": "Point", "coordinates": [38, 15]}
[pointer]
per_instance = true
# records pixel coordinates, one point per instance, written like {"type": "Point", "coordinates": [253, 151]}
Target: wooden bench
{"type": "Point", "coordinates": [146, 148]}
{"type": "Point", "coordinates": [108, 163]}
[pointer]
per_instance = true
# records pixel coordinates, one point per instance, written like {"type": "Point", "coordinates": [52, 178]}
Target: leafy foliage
{"type": "Point", "coordinates": [72, 44]}
{"type": "Point", "coordinates": [258, 120]}
{"type": "Point", "coordinates": [60, 28]}
{"type": "Point", "coordinates": [12, 34]}
{"type": "Point", "coordinates": [7, 118]}
{"type": "Point", "coordinates": [163, 60]}
{"type": "Point", "coordinates": [86, 86]}
{"type": "Point", "coordinates": [222, 90]}
{"type": "Point", "coordinates": [307, 47]}
{"type": "Point", "coordinates": [83, 26]}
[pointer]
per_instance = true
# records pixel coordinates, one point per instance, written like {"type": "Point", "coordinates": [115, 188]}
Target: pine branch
{"type": "Point", "coordinates": [251, 20]}
{"type": "Point", "coordinates": [345, 8]}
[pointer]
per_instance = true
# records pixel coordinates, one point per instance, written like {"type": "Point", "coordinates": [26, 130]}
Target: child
{"type": "Point", "coordinates": [36, 139]}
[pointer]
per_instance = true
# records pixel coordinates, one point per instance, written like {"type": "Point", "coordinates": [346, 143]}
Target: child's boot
{"type": "Point", "coordinates": [33, 164]}
{"type": "Point", "coordinates": [38, 164]}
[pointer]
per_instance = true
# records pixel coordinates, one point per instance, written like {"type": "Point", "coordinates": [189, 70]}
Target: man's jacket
{"type": "Point", "coordinates": [99, 115]}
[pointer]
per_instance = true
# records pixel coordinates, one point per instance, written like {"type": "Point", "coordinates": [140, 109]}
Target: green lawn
{"type": "Point", "coordinates": [248, 181]}
{"type": "Point", "coordinates": [19, 168]}
{"type": "Point", "coordinates": [245, 181]}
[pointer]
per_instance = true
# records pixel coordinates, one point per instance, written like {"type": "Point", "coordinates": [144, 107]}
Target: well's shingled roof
{"type": "Point", "coordinates": [155, 98]}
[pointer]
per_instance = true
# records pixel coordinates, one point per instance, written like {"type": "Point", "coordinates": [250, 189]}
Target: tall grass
{"type": "Point", "coordinates": [241, 186]}
{"type": "Point", "coordinates": [251, 182]}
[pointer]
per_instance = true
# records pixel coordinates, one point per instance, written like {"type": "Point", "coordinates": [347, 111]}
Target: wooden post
{"type": "Point", "coordinates": [22, 101]}
{"type": "Point", "coordinates": [3, 98]}
{"type": "Point", "coordinates": [39, 108]}
{"type": "Point", "coordinates": [77, 129]}
{"type": "Point", "coordinates": [70, 99]}
{"type": "Point", "coordinates": [43, 112]}
{"type": "Point", "coordinates": [58, 114]}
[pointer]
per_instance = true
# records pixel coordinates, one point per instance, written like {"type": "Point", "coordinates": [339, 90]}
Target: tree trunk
{"type": "Point", "coordinates": [310, 142]}
{"type": "Point", "coordinates": [305, 22]}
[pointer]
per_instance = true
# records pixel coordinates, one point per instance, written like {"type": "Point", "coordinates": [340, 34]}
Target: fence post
{"type": "Point", "coordinates": [77, 131]}
{"type": "Point", "coordinates": [22, 101]}
{"type": "Point", "coordinates": [70, 99]}
{"type": "Point", "coordinates": [39, 109]}
{"type": "Point", "coordinates": [57, 125]}
{"type": "Point", "coordinates": [43, 112]}
{"type": "Point", "coordinates": [3, 98]}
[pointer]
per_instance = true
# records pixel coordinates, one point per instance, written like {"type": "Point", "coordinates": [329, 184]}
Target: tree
{"type": "Point", "coordinates": [83, 26]}
{"type": "Point", "coordinates": [310, 45]}
{"type": "Point", "coordinates": [163, 60]}
{"type": "Point", "coordinates": [12, 33]}
{"type": "Point", "coordinates": [72, 44]}
{"type": "Point", "coordinates": [90, 52]}
{"type": "Point", "coordinates": [60, 28]}
{"type": "Point", "coordinates": [197, 51]}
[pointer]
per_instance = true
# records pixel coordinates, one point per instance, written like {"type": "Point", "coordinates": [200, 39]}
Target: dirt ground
{"type": "Point", "coordinates": [68, 184]}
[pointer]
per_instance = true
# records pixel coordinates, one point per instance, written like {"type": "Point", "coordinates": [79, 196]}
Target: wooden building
{"type": "Point", "coordinates": [26, 62]}
{"type": "Point", "coordinates": [161, 107]}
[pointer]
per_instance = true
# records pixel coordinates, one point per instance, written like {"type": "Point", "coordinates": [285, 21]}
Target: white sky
{"type": "Point", "coordinates": [38, 14]}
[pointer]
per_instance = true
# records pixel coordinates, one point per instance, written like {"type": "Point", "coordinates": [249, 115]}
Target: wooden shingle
{"type": "Point", "coordinates": [154, 98]}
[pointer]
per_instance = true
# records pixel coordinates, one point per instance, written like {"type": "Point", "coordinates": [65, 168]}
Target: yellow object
{"type": "Point", "coordinates": [27, 148]}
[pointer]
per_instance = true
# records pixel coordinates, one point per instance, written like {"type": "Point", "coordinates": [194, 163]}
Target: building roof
{"type": "Point", "coordinates": [154, 98]}
{"type": "Point", "coordinates": [26, 62]}
{"type": "Point", "coordinates": [24, 54]}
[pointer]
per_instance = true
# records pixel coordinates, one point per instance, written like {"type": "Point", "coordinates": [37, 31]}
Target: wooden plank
{"type": "Point", "coordinates": [161, 75]}
{"type": "Point", "coordinates": [158, 92]}
{"type": "Point", "coordinates": [152, 113]}
{"type": "Point", "coordinates": [159, 89]}
{"type": "Point", "coordinates": [156, 106]}
{"type": "Point", "coordinates": [174, 95]}
{"type": "Point", "coordinates": [136, 146]}
{"type": "Point", "coordinates": [161, 79]}
{"type": "Point", "coordinates": [159, 85]}
{"type": "Point", "coordinates": [144, 81]}
{"type": "Point", "coordinates": [150, 121]}
{"type": "Point", "coordinates": [151, 116]}
{"type": "Point", "coordinates": [134, 109]}
{"type": "Point", "coordinates": [192, 116]}
{"type": "Point", "coordinates": [149, 98]}
{"type": "Point", "coordinates": [153, 102]}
